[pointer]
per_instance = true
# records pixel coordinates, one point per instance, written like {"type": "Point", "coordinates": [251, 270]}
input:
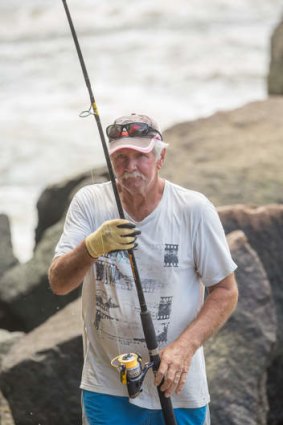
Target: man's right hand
{"type": "Point", "coordinates": [112, 235]}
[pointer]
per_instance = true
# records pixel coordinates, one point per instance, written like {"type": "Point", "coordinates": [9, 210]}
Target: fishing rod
{"type": "Point", "coordinates": [146, 319]}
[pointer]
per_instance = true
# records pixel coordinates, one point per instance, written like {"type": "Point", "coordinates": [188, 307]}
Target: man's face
{"type": "Point", "coordinates": [136, 172]}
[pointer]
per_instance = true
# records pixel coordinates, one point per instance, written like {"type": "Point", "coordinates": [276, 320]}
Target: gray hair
{"type": "Point", "coordinates": [159, 145]}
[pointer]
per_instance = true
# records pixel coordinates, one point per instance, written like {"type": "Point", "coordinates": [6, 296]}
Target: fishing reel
{"type": "Point", "coordinates": [131, 371]}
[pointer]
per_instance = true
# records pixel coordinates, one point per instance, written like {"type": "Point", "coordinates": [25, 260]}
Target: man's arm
{"type": "Point", "coordinates": [67, 272]}
{"type": "Point", "coordinates": [176, 357]}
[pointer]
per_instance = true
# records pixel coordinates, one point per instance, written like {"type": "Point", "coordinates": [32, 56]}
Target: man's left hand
{"type": "Point", "coordinates": [173, 369]}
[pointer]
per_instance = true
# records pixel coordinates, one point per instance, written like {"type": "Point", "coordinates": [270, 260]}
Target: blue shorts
{"type": "Point", "coordinates": [104, 409]}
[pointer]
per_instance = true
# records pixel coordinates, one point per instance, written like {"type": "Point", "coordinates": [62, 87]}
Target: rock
{"type": "Point", "coordinates": [275, 75]}
{"type": "Point", "coordinates": [26, 299]}
{"type": "Point", "coordinates": [55, 199]}
{"type": "Point", "coordinates": [7, 340]}
{"type": "Point", "coordinates": [41, 374]}
{"type": "Point", "coordinates": [232, 157]}
{"type": "Point", "coordinates": [7, 258]}
{"type": "Point", "coordinates": [6, 417]}
{"type": "Point", "coordinates": [238, 356]}
{"type": "Point", "coordinates": [264, 229]}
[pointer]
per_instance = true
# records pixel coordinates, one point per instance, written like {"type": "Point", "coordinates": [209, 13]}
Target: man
{"type": "Point", "coordinates": [180, 248]}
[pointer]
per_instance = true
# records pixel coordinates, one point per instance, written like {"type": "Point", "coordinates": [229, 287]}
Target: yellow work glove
{"type": "Point", "coordinates": [112, 235]}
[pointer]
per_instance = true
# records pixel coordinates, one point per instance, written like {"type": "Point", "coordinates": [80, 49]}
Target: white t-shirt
{"type": "Point", "coordinates": [182, 248]}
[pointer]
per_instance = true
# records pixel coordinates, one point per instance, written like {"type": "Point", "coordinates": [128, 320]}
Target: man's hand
{"type": "Point", "coordinates": [112, 235]}
{"type": "Point", "coordinates": [174, 367]}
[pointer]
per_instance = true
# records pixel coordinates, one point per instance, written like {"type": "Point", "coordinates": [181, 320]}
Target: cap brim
{"type": "Point", "coordinates": [140, 144]}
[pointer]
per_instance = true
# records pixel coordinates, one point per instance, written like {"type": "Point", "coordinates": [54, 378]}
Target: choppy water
{"type": "Point", "coordinates": [175, 60]}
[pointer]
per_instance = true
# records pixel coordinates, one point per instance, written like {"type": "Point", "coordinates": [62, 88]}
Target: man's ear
{"type": "Point", "coordinates": [161, 160]}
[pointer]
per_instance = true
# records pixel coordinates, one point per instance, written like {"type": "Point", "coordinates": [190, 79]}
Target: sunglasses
{"type": "Point", "coordinates": [132, 129]}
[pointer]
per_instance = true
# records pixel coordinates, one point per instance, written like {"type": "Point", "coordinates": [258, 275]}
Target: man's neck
{"type": "Point", "coordinates": [141, 204]}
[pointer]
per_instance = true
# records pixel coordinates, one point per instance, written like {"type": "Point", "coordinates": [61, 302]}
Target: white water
{"type": "Point", "coordinates": [174, 60]}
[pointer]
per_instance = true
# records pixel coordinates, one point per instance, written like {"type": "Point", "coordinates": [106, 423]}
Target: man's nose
{"type": "Point", "coordinates": [131, 164]}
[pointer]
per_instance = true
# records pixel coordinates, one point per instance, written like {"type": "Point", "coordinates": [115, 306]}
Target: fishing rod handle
{"type": "Point", "coordinates": [152, 346]}
{"type": "Point", "coordinates": [167, 408]}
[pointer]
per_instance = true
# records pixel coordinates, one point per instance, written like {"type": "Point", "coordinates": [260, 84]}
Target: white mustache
{"type": "Point", "coordinates": [134, 174]}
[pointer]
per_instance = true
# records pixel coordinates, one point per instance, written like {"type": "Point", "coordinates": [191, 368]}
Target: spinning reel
{"type": "Point", "coordinates": [131, 371]}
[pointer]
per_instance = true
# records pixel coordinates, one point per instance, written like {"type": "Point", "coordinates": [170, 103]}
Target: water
{"type": "Point", "coordinates": [175, 60]}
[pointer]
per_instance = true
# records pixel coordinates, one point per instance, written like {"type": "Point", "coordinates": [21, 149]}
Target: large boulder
{"type": "Point", "coordinates": [239, 355]}
{"type": "Point", "coordinates": [7, 258]}
{"type": "Point", "coordinates": [264, 229]}
{"type": "Point", "coordinates": [275, 75]}
{"type": "Point", "coordinates": [232, 157]}
{"type": "Point", "coordinates": [26, 299]}
{"type": "Point", "coordinates": [41, 374]}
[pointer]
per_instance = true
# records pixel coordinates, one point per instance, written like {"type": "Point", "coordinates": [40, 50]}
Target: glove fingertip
{"type": "Point", "coordinates": [126, 226]}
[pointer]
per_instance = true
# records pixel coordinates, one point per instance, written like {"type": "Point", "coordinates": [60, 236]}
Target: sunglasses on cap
{"type": "Point", "coordinates": [132, 129]}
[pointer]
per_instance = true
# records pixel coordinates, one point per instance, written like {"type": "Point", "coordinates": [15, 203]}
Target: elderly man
{"type": "Point", "coordinates": [180, 248]}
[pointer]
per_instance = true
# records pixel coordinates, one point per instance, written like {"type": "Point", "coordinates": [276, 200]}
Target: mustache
{"type": "Point", "coordinates": [133, 174]}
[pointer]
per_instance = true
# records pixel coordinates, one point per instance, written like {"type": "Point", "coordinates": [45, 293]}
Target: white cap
{"type": "Point", "coordinates": [141, 144]}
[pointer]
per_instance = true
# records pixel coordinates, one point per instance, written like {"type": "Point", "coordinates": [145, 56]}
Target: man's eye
{"type": "Point", "coordinates": [120, 157]}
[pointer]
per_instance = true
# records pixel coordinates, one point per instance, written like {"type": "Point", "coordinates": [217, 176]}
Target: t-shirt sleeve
{"type": "Point", "coordinates": [212, 255]}
{"type": "Point", "coordinates": [77, 226]}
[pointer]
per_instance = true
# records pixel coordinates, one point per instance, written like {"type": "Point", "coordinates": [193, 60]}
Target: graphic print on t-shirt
{"type": "Point", "coordinates": [117, 315]}
{"type": "Point", "coordinates": [164, 309]}
{"type": "Point", "coordinates": [108, 272]}
{"type": "Point", "coordinates": [171, 255]}
{"type": "Point", "coordinates": [103, 312]}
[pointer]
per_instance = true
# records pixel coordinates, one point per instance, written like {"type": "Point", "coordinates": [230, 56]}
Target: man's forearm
{"type": "Point", "coordinates": [176, 357]}
{"type": "Point", "coordinates": [218, 306]}
{"type": "Point", "coordinates": [67, 272]}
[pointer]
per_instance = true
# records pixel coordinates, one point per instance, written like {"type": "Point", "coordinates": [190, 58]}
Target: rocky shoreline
{"type": "Point", "coordinates": [234, 158]}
